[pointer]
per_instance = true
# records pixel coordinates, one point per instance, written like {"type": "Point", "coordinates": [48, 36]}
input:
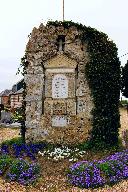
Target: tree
{"type": "Point", "coordinates": [124, 88]}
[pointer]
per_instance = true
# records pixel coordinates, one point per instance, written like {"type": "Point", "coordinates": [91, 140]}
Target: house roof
{"type": "Point", "coordinates": [19, 81]}
{"type": "Point", "coordinates": [6, 92]}
{"type": "Point", "coordinates": [17, 92]}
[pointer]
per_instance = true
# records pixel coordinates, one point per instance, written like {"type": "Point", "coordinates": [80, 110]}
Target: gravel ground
{"type": "Point", "coordinates": [53, 180]}
{"type": "Point", "coordinates": [7, 133]}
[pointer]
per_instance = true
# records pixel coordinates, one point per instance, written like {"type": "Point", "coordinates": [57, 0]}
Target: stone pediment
{"type": "Point", "coordinates": [60, 61]}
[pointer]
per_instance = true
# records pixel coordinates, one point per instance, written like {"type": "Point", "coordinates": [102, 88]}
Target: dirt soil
{"type": "Point", "coordinates": [53, 173]}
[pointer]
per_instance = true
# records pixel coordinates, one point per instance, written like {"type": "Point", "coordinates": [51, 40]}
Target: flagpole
{"type": "Point", "coordinates": [63, 10]}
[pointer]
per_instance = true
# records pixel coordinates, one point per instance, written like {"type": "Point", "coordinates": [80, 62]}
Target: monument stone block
{"type": "Point", "coordinates": [59, 121]}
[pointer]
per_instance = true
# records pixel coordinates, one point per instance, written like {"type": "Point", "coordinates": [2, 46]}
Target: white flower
{"type": "Point", "coordinates": [76, 149]}
{"type": "Point", "coordinates": [66, 154]}
{"type": "Point", "coordinates": [70, 159]}
{"type": "Point", "coordinates": [75, 159]}
{"type": "Point", "coordinates": [55, 158]}
{"type": "Point", "coordinates": [42, 154]}
{"type": "Point", "coordinates": [82, 152]}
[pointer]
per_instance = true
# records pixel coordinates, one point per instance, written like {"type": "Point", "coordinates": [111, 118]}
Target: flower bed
{"type": "Point", "coordinates": [21, 150]}
{"type": "Point", "coordinates": [63, 152]}
{"type": "Point", "coordinates": [86, 174]}
{"type": "Point", "coordinates": [82, 174]}
{"type": "Point", "coordinates": [23, 172]}
{"type": "Point", "coordinates": [18, 170]}
{"type": "Point", "coordinates": [13, 167]}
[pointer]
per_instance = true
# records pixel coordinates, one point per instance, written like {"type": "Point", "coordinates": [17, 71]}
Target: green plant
{"type": "Point", "coordinates": [100, 145]}
{"type": "Point", "coordinates": [17, 115]}
{"type": "Point", "coordinates": [5, 162]}
{"type": "Point", "coordinates": [106, 168]}
{"type": "Point", "coordinates": [18, 166]}
{"type": "Point", "coordinates": [103, 74]}
{"type": "Point", "coordinates": [124, 87]}
{"type": "Point", "coordinates": [17, 140]}
{"type": "Point", "coordinates": [84, 146]}
{"type": "Point", "coordinates": [23, 172]}
{"type": "Point", "coordinates": [124, 102]}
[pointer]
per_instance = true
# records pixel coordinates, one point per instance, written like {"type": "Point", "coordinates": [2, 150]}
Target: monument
{"type": "Point", "coordinates": [58, 100]}
{"type": "Point", "coordinates": [72, 84]}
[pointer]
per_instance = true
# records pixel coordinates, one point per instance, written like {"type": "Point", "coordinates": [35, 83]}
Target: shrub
{"type": "Point", "coordinates": [23, 172]}
{"type": "Point", "coordinates": [124, 87]}
{"type": "Point", "coordinates": [97, 173]}
{"type": "Point", "coordinates": [100, 145]}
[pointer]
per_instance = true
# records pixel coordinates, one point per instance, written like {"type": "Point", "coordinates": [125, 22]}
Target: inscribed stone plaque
{"type": "Point", "coordinates": [59, 121]}
{"type": "Point", "coordinates": [60, 86]}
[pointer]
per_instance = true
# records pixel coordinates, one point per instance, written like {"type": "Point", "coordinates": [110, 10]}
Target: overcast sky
{"type": "Point", "coordinates": [18, 17]}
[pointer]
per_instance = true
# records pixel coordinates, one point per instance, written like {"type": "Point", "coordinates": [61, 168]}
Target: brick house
{"type": "Point", "coordinates": [16, 95]}
{"type": "Point", "coordinates": [5, 97]}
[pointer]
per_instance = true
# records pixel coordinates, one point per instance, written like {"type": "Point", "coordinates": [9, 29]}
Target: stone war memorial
{"type": "Point", "coordinates": [72, 84]}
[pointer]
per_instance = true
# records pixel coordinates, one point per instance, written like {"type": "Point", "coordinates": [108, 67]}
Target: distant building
{"type": "Point", "coordinates": [5, 97]}
{"type": "Point", "coordinates": [13, 98]}
{"type": "Point", "coordinates": [16, 96]}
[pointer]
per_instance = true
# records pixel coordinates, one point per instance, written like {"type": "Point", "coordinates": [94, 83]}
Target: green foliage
{"type": "Point", "coordinates": [124, 79]}
{"type": "Point", "coordinates": [23, 66]}
{"type": "Point", "coordinates": [65, 24]}
{"type": "Point", "coordinates": [100, 145]}
{"type": "Point", "coordinates": [84, 146]}
{"type": "Point", "coordinates": [103, 74]}
{"type": "Point", "coordinates": [18, 166]}
{"type": "Point", "coordinates": [5, 162]}
{"type": "Point", "coordinates": [123, 102]}
{"type": "Point", "coordinates": [17, 140]}
{"type": "Point", "coordinates": [18, 115]}
{"type": "Point", "coordinates": [110, 167]}
{"type": "Point", "coordinates": [106, 168]}
{"type": "Point", "coordinates": [23, 172]}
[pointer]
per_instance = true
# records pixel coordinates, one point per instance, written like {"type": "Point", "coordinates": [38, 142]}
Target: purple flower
{"type": "Point", "coordinates": [93, 174]}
